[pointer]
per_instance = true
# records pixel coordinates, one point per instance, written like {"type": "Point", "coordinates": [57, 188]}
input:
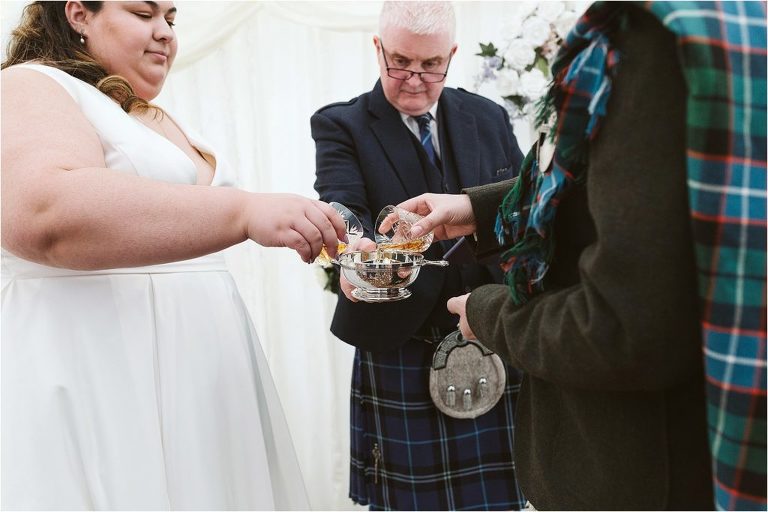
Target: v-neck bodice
{"type": "Point", "coordinates": [129, 146]}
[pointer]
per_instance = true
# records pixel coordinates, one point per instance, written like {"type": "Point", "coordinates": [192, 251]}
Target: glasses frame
{"type": "Point", "coordinates": [419, 73]}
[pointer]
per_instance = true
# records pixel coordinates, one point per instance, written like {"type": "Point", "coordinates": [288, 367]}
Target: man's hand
{"type": "Point", "coordinates": [364, 244]}
{"type": "Point", "coordinates": [458, 306]}
{"type": "Point", "coordinates": [448, 215]}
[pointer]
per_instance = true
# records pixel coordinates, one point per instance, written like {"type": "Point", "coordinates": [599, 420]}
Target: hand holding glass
{"type": "Point", "coordinates": [393, 231]}
{"type": "Point", "coordinates": [382, 275]}
{"type": "Point", "coordinates": [354, 230]}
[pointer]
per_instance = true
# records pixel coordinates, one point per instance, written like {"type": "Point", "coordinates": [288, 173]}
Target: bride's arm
{"type": "Point", "coordinates": [62, 207]}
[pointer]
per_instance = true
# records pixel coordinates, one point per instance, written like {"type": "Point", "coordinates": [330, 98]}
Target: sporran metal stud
{"type": "Point", "coordinates": [467, 399]}
{"type": "Point", "coordinates": [483, 386]}
{"type": "Point", "coordinates": [450, 398]}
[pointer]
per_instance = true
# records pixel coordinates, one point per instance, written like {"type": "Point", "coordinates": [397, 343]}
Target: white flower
{"type": "Point", "coordinates": [524, 9]}
{"type": "Point", "coordinates": [532, 33]}
{"type": "Point", "coordinates": [489, 90]}
{"type": "Point", "coordinates": [577, 6]}
{"type": "Point", "coordinates": [512, 28]}
{"type": "Point", "coordinates": [536, 31]}
{"type": "Point", "coordinates": [564, 23]}
{"type": "Point", "coordinates": [508, 83]}
{"type": "Point", "coordinates": [549, 11]}
{"type": "Point", "coordinates": [533, 84]}
{"type": "Point", "coordinates": [520, 54]}
{"type": "Point", "coordinates": [529, 110]}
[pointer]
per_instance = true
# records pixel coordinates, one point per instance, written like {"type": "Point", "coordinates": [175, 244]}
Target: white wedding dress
{"type": "Point", "coordinates": [137, 388]}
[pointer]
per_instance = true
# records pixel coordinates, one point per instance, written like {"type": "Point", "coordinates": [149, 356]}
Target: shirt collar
{"type": "Point", "coordinates": [432, 110]}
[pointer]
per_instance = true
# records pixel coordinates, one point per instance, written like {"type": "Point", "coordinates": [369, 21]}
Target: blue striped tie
{"type": "Point", "coordinates": [425, 135]}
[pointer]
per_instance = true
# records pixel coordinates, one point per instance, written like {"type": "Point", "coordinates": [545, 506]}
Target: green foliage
{"type": "Point", "coordinates": [487, 50]}
{"type": "Point", "coordinates": [519, 101]}
{"type": "Point", "coordinates": [540, 63]}
{"type": "Point", "coordinates": [331, 278]}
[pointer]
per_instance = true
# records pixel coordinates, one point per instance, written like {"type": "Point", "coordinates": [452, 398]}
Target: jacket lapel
{"type": "Point", "coordinates": [395, 140]}
{"type": "Point", "coordinates": [460, 127]}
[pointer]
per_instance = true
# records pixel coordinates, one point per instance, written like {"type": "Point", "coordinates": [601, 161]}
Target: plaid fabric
{"type": "Point", "coordinates": [722, 50]}
{"type": "Point", "coordinates": [723, 54]}
{"type": "Point", "coordinates": [583, 72]}
{"type": "Point", "coordinates": [427, 460]}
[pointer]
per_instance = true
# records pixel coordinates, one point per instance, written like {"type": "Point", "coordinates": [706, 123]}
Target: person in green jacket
{"type": "Point", "coordinates": [635, 235]}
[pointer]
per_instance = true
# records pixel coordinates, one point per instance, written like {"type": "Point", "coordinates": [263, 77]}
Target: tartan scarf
{"type": "Point", "coordinates": [583, 72]}
{"type": "Point", "coordinates": [722, 52]}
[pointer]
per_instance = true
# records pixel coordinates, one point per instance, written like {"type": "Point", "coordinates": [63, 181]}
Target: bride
{"type": "Point", "coordinates": [132, 377]}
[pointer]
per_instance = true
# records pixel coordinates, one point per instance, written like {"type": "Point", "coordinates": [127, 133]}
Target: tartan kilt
{"type": "Point", "coordinates": [426, 460]}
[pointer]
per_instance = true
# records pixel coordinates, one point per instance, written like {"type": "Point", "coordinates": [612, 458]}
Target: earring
{"type": "Point", "coordinates": [82, 37]}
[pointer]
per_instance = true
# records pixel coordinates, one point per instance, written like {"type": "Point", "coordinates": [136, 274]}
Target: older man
{"type": "Point", "coordinates": [411, 135]}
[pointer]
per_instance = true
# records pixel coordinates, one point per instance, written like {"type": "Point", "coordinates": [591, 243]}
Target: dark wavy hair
{"type": "Point", "coordinates": [44, 35]}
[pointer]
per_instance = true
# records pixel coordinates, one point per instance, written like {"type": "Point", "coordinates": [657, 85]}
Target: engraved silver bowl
{"type": "Point", "coordinates": [382, 275]}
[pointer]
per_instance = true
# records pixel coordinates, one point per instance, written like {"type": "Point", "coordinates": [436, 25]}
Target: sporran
{"type": "Point", "coordinates": [466, 379]}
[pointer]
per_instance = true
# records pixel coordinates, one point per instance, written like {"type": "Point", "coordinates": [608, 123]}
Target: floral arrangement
{"type": "Point", "coordinates": [520, 67]}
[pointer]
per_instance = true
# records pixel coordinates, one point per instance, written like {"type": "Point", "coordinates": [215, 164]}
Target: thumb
{"type": "Point", "coordinates": [365, 244]}
{"type": "Point", "coordinates": [452, 305]}
{"type": "Point", "coordinates": [426, 224]}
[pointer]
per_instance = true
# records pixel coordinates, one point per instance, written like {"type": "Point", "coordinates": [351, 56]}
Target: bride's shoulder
{"type": "Point", "coordinates": [31, 75]}
{"type": "Point", "coordinates": [29, 94]}
{"type": "Point", "coordinates": [19, 72]}
{"type": "Point", "coordinates": [45, 85]}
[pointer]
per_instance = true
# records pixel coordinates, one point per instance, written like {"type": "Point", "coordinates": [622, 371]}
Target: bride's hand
{"type": "Point", "coordinates": [364, 244]}
{"type": "Point", "coordinates": [293, 221]}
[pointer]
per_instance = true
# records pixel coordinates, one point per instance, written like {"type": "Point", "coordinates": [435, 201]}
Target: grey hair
{"type": "Point", "coordinates": [421, 18]}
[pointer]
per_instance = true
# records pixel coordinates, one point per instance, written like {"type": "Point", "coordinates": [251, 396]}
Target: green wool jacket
{"type": "Point", "coordinates": [611, 413]}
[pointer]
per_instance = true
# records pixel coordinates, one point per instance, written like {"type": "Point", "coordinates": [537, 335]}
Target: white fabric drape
{"type": "Point", "coordinates": [248, 76]}
{"type": "Point", "coordinates": [253, 94]}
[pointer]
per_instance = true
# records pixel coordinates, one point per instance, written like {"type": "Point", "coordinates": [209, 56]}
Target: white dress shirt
{"type": "Point", "coordinates": [413, 125]}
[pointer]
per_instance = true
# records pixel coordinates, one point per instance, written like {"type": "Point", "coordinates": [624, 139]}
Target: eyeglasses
{"type": "Point", "coordinates": [406, 74]}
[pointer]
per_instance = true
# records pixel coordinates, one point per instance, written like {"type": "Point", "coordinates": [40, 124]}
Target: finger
{"type": "Point", "coordinates": [336, 221]}
{"type": "Point", "coordinates": [388, 222]}
{"type": "Point", "coordinates": [363, 244]}
{"type": "Point", "coordinates": [323, 221]}
{"type": "Point", "coordinates": [466, 331]}
{"type": "Point", "coordinates": [324, 224]}
{"type": "Point", "coordinates": [294, 240]}
{"type": "Point", "coordinates": [419, 204]}
{"type": "Point", "coordinates": [458, 305]}
{"type": "Point", "coordinates": [313, 238]}
{"type": "Point", "coordinates": [429, 223]}
{"type": "Point", "coordinates": [453, 305]}
{"type": "Point", "coordinates": [367, 245]}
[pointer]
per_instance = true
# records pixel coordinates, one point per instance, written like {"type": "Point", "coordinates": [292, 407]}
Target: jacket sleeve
{"type": "Point", "coordinates": [485, 200]}
{"type": "Point", "coordinates": [631, 321]}
{"type": "Point", "coordinates": [338, 176]}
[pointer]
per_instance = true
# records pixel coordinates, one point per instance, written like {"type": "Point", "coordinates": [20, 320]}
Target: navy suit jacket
{"type": "Point", "coordinates": [367, 159]}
